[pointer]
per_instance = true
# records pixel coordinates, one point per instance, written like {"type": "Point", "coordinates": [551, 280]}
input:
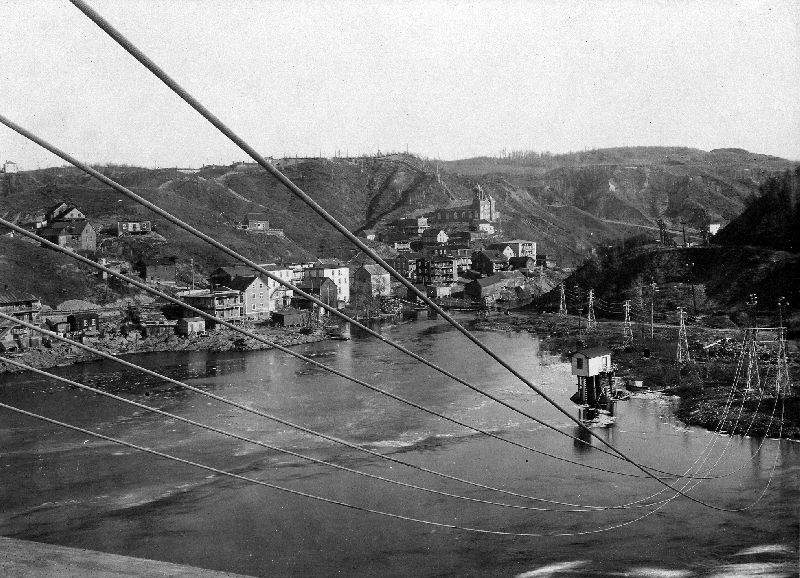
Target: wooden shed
{"type": "Point", "coordinates": [288, 317]}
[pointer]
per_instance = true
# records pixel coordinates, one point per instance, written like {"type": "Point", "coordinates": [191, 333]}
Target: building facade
{"type": "Point", "coordinates": [339, 273]}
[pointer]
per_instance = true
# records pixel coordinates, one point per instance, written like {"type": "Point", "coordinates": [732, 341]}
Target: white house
{"type": "Point", "coordinates": [279, 295]}
{"type": "Point", "coordinates": [523, 248]}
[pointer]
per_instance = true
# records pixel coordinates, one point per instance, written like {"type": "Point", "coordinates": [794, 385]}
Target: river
{"type": "Point", "coordinates": [61, 487]}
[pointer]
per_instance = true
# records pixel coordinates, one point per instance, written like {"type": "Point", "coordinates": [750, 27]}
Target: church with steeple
{"type": "Point", "coordinates": [482, 208]}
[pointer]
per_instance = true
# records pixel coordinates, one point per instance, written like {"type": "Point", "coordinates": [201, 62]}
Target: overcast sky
{"type": "Point", "coordinates": [445, 79]}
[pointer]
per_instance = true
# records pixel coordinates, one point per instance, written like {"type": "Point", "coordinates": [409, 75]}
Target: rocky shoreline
{"type": "Point", "coordinates": [221, 339]}
{"type": "Point", "coordinates": [702, 386]}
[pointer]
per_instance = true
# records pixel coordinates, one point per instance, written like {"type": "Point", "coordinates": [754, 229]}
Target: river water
{"type": "Point", "coordinates": [62, 487]}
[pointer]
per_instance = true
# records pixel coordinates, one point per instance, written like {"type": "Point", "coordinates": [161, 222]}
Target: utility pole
{"type": "Point", "coordinates": [580, 323]}
{"type": "Point", "coordinates": [192, 262]}
{"type": "Point", "coordinates": [591, 322]}
{"type": "Point", "coordinates": [652, 301]}
{"type": "Point", "coordinates": [562, 307]}
{"type": "Point", "coordinates": [683, 226]}
{"type": "Point", "coordinates": [683, 342]}
{"type": "Point", "coordinates": [627, 332]}
{"type": "Point", "coordinates": [782, 380]}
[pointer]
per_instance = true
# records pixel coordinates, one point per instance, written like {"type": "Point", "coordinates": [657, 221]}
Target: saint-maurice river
{"type": "Point", "coordinates": [63, 487]}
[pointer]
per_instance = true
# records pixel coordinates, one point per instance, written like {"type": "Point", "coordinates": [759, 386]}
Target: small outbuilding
{"type": "Point", "coordinates": [591, 362]}
{"type": "Point", "coordinates": [190, 326]}
{"type": "Point", "coordinates": [89, 321]}
{"type": "Point", "coordinates": [288, 317]}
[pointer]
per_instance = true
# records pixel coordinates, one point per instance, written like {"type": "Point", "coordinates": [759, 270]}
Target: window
{"type": "Point", "coordinates": [253, 295]}
{"type": "Point", "coordinates": [253, 307]}
{"type": "Point", "coordinates": [260, 295]}
{"type": "Point", "coordinates": [579, 363]}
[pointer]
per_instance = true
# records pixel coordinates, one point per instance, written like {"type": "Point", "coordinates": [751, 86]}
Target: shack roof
{"type": "Point", "coordinates": [70, 227]}
{"type": "Point", "coordinates": [8, 296]}
{"type": "Point", "coordinates": [598, 351]}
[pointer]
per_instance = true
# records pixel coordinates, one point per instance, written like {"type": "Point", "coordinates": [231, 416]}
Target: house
{"type": "Point", "coordinates": [190, 326]}
{"type": "Point", "coordinates": [10, 167]}
{"type": "Point", "coordinates": [133, 228]}
{"type": "Point", "coordinates": [159, 328]}
{"type": "Point", "coordinates": [438, 291]}
{"type": "Point", "coordinates": [22, 306]}
{"type": "Point", "coordinates": [434, 236]}
{"type": "Point", "coordinates": [369, 234]}
{"type": "Point", "coordinates": [256, 222]}
{"type": "Point", "coordinates": [81, 322]}
{"type": "Point", "coordinates": [503, 248]}
{"type": "Point", "coordinates": [543, 261]}
{"type": "Point", "coordinates": [74, 235]}
{"type": "Point", "coordinates": [224, 304]}
{"type": "Point", "coordinates": [324, 289]}
{"type": "Point", "coordinates": [436, 270]}
{"type": "Point", "coordinates": [494, 284]}
{"type": "Point", "coordinates": [403, 246]}
{"type": "Point", "coordinates": [483, 226]}
{"type": "Point", "coordinates": [161, 271]}
{"type": "Point", "coordinates": [489, 262]}
{"type": "Point", "coordinates": [713, 228]}
{"type": "Point", "coordinates": [516, 263]}
{"type": "Point", "coordinates": [58, 325]}
{"type": "Point", "coordinates": [372, 280]}
{"type": "Point", "coordinates": [406, 265]}
{"type": "Point", "coordinates": [411, 225]}
{"type": "Point", "coordinates": [253, 292]}
{"type": "Point", "coordinates": [523, 248]}
{"type": "Point", "coordinates": [288, 317]}
{"type": "Point", "coordinates": [334, 270]}
{"type": "Point", "coordinates": [280, 295]}
{"type": "Point", "coordinates": [64, 212]}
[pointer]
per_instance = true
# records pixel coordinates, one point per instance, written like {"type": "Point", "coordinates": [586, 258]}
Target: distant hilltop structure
{"type": "Point", "coordinates": [10, 167]}
{"type": "Point", "coordinates": [482, 208]}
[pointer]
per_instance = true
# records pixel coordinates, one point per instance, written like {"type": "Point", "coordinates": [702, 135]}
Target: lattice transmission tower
{"type": "Point", "coordinates": [627, 331]}
{"type": "Point", "coordinates": [591, 321]}
{"type": "Point", "coordinates": [683, 341]}
{"type": "Point", "coordinates": [562, 307]}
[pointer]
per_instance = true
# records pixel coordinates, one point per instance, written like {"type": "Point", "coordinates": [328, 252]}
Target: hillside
{"type": "Point", "coordinates": [570, 204]}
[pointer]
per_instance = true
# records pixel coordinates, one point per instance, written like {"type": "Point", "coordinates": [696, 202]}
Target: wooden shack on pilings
{"type": "Point", "coordinates": [595, 375]}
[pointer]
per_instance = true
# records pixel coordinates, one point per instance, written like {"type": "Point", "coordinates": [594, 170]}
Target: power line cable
{"type": "Point", "coordinates": [286, 350]}
{"type": "Point", "coordinates": [281, 450]}
{"type": "Point", "coordinates": [129, 47]}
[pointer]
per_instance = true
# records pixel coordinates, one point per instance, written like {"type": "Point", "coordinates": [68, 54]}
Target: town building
{"type": "Point", "coordinates": [406, 265]}
{"type": "Point", "coordinates": [544, 261]}
{"type": "Point", "coordinates": [481, 208]}
{"type": "Point", "coordinates": [436, 270]}
{"type": "Point", "coordinates": [75, 235]}
{"type": "Point", "coordinates": [483, 226]}
{"type": "Point", "coordinates": [159, 271]}
{"type": "Point", "coordinates": [372, 280]}
{"type": "Point", "coordinates": [10, 167]}
{"type": "Point", "coordinates": [256, 222]}
{"type": "Point", "coordinates": [522, 263]}
{"type": "Point", "coordinates": [489, 262]}
{"type": "Point", "coordinates": [333, 269]}
{"type": "Point", "coordinates": [22, 306]}
{"type": "Point", "coordinates": [411, 226]}
{"type": "Point", "coordinates": [369, 234]}
{"type": "Point", "coordinates": [323, 288]}
{"type": "Point", "coordinates": [288, 317]}
{"type": "Point", "coordinates": [64, 212]}
{"type": "Point", "coordinates": [83, 321]}
{"type": "Point", "coordinates": [133, 228]}
{"type": "Point", "coordinates": [253, 294]}
{"type": "Point", "coordinates": [224, 304]}
{"type": "Point", "coordinates": [523, 248]}
{"type": "Point", "coordinates": [494, 284]}
{"type": "Point", "coordinates": [58, 324]}
{"type": "Point", "coordinates": [438, 291]}
{"type": "Point", "coordinates": [503, 248]}
{"type": "Point", "coordinates": [434, 236]}
{"type": "Point", "coordinates": [280, 295]}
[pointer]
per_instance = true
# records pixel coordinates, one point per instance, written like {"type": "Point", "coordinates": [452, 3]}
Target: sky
{"type": "Point", "coordinates": [440, 79]}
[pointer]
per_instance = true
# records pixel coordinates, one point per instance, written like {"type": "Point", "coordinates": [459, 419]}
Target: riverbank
{"type": "Point", "coordinates": [59, 353]}
{"type": "Point", "coordinates": [703, 386]}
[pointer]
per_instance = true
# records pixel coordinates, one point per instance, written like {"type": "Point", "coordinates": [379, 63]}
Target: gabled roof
{"type": "Point", "coordinates": [375, 269]}
{"type": "Point", "coordinates": [497, 247]}
{"type": "Point", "coordinates": [69, 227]}
{"type": "Point", "coordinates": [328, 263]}
{"type": "Point", "coordinates": [489, 281]}
{"type": "Point", "coordinates": [13, 296]}
{"type": "Point", "coordinates": [317, 282]}
{"type": "Point", "coordinates": [240, 282]}
{"type": "Point", "coordinates": [432, 232]}
{"type": "Point", "coordinates": [493, 255]}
